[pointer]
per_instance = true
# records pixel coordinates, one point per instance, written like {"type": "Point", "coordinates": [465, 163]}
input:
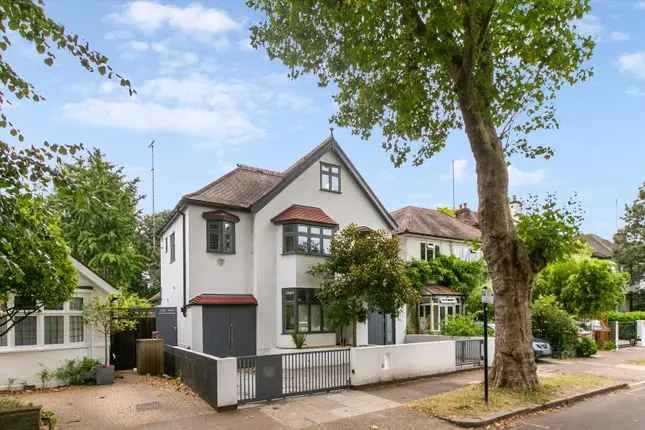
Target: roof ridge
{"type": "Point", "coordinates": [259, 170]}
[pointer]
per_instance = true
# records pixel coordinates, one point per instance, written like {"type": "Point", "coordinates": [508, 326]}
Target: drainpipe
{"type": "Point", "coordinates": [183, 258]}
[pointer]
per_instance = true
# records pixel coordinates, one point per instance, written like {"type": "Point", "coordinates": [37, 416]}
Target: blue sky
{"type": "Point", "coordinates": [211, 101]}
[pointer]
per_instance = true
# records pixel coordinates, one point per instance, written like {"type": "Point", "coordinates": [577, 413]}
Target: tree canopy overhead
{"type": "Point", "coordinates": [419, 69]}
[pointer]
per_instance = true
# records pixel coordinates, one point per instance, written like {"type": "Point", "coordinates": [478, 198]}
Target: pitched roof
{"type": "Point", "coordinates": [249, 188]}
{"type": "Point", "coordinates": [467, 216]}
{"type": "Point", "coordinates": [439, 290]}
{"type": "Point", "coordinates": [224, 299]}
{"type": "Point", "coordinates": [303, 213]}
{"type": "Point", "coordinates": [93, 277]}
{"type": "Point", "coordinates": [431, 222]}
{"type": "Point", "coordinates": [600, 247]}
{"type": "Point", "coordinates": [239, 188]}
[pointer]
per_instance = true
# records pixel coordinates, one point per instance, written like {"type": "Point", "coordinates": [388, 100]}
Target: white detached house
{"type": "Point", "coordinates": [236, 253]}
{"type": "Point", "coordinates": [52, 335]}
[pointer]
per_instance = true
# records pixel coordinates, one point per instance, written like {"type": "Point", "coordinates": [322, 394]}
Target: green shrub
{"type": "Point", "coordinates": [626, 316]}
{"type": "Point", "coordinates": [554, 324]}
{"type": "Point", "coordinates": [462, 325]}
{"type": "Point", "coordinates": [608, 346]}
{"type": "Point", "coordinates": [10, 403]}
{"type": "Point", "coordinates": [298, 339]}
{"type": "Point", "coordinates": [586, 347]}
{"type": "Point", "coordinates": [45, 375]}
{"type": "Point", "coordinates": [79, 371]}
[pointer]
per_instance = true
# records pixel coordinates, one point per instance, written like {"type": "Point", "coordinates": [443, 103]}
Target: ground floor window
{"type": "Point", "coordinates": [302, 312]}
{"type": "Point", "coordinates": [433, 311]}
{"type": "Point", "coordinates": [54, 330]}
{"type": "Point", "coordinates": [3, 325]}
{"type": "Point", "coordinates": [76, 328]}
{"type": "Point", "coordinates": [26, 331]}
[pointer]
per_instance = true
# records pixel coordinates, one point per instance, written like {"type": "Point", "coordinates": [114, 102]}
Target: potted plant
{"type": "Point", "coordinates": [108, 315]}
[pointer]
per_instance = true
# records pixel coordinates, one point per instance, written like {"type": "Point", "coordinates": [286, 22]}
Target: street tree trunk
{"type": "Point", "coordinates": [509, 266]}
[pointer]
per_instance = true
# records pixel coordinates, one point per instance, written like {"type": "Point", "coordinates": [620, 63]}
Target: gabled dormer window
{"type": "Point", "coordinates": [330, 177]}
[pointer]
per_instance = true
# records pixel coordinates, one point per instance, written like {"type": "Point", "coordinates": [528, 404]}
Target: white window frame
{"type": "Point", "coordinates": [40, 345]}
{"type": "Point", "coordinates": [425, 245]}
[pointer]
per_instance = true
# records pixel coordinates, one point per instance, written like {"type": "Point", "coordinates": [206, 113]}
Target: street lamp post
{"type": "Point", "coordinates": [487, 297]}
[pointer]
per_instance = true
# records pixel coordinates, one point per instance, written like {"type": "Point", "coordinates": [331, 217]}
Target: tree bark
{"type": "Point", "coordinates": [509, 265]}
{"type": "Point", "coordinates": [354, 331]}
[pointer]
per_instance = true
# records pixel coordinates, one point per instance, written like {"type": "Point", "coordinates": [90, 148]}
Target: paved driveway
{"type": "Point", "coordinates": [136, 402]}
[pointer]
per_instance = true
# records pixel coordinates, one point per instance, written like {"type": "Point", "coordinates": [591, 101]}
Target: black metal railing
{"type": "Point", "coordinates": [198, 371]}
{"type": "Point", "coordinates": [469, 351]}
{"type": "Point", "coordinates": [280, 375]}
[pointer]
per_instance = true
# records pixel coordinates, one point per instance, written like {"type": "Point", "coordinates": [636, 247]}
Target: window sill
{"type": "Point", "coordinates": [39, 348]}
{"type": "Point", "coordinates": [220, 252]}
{"type": "Point", "coordinates": [307, 255]}
{"type": "Point", "coordinates": [307, 333]}
{"type": "Point", "coordinates": [331, 191]}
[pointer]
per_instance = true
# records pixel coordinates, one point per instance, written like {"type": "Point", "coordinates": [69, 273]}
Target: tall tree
{"type": "Point", "coordinates": [363, 274]}
{"type": "Point", "coordinates": [34, 261]}
{"type": "Point", "coordinates": [43, 275]}
{"type": "Point", "coordinates": [147, 281]}
{"type": "Point", "coordinates": [418, 69]}
{"type": "Point", "coordinates": [98, 209]}
{"type": "Point", "coordinates": [630, 240]}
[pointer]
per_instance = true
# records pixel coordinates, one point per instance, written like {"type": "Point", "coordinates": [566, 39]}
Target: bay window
{"type": "Point", "coordinates": [302, 312]}
{"type": "Point", "coordinates": [306, 239]}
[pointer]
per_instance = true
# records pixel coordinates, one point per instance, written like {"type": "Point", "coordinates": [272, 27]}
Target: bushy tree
{"type": "Point", "coordinates": [31, 248]}
{"type": "Point", "coordinates": [35, 260]}
{"type": "Point", "coordinates": [630, 240]}
{"type": "Point", "coordinates": [462, 325]}
{"type": "Point", "coordinates": [363, 274]}
{"type": "Point", "coordinates": [114, 313]}
{"type": "Point", "coordinates": [585, 287]}
{"type": "Point", "coordinates": [98, 209]}
{"type": "Point", "coordinates": [554, 324]}
{"type": "Point", "coordinates": [415, 71]}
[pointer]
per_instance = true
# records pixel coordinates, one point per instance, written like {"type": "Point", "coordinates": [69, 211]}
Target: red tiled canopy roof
{"type": "Point", "coordinates": [224, 299]}
{"type": "Point", "coordinates": [302, 213]}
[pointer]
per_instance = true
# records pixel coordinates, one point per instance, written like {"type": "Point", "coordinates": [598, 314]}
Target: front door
{"type": "Point", "coordinates": [380, 329]}
{"type": "Point", "coordinates": [229, 330]}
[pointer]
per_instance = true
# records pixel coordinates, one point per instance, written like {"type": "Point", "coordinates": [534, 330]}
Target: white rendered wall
{"type": "Point", "coordinates": [375, 364]}
{"type": "Point", "coordinates": [273, 271]}
{"type": "Point", "coordinates": [411, 246]}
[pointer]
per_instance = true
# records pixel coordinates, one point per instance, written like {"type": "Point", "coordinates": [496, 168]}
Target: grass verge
{"type": "Point", "coordinates": [468, 402]}
{"type": "Point", "coordinates": [638, 362]}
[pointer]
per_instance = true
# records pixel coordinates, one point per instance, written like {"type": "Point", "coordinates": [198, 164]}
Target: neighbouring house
{"type": "Point", "coordinates": [423, 235]}
{"type": "Point", "coordinates": [600, 248]}
{"type": "Point", "coordinates": [50, 336]}
{"type": "Point", "coordinates": [236, 253]}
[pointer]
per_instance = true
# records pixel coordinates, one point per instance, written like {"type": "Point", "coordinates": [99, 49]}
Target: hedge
{"type": "Point", "coordinates": [626, 316]}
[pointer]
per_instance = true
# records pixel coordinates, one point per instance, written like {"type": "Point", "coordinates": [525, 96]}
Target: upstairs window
{"type": "Point", "coordinates": [220, 237]}
{"type": "Point", "coordinates": [330, 177]}
{"type": "Point", "coordinates": [306, 239]}
{"type": "Point", "coordinates": [172, 247]}
{"type": "Point", "coordinates": [428, 251]}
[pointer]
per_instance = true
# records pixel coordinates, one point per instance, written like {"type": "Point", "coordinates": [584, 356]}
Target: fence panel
{"type": "Point", "coordinates": [469, 352]}
{"type": "Point", "coordinates": [280, 375]}
{"type": "Point", "coordinates": [627, 333]}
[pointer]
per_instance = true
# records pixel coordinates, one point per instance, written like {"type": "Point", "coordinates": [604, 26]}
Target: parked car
{"type": "Point", "coordinates": [586, 328]}
{"type": "Point", "coordinates": [541, 348]}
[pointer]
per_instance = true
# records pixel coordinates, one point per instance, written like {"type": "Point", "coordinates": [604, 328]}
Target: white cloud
{"type": "Point", "coordinates": [618, 36]}
{"type": "Point", "coordinates": [171, 59]}
{"type": "Point", "coordinates": [640, 5]}
{"type": "Point", "coordinates": [221, 125]}
{"type": "Point", "coordinates": [590, 25]}
{"type": "Point", "coordinates": [521, 178]}
{"type": "Point", "coordinates": [118, 35]}
{"type": "Point", "coordinates": [226, 110]}
{"type": "Point", "coordinates": [460, 171]}
{"type": "Point", "coordinates": [634, 91]}
{"type": "Point", "coordinates": [633, 64]}
{"type": "Point", "coordinates": [193, 20]}
{"type": "Point", "coordinates": [107, 87]}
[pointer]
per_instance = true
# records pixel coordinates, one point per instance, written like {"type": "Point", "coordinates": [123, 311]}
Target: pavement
{"type": "Point", "coordinates": [136, 402]}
